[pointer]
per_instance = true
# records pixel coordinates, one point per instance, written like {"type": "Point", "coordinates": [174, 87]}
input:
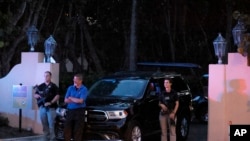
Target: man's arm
{"type": "Point", "coordinates": [82, 98]}
{"type": "Point", "coordinates": [70, 99]}
{"type": "Point", "coordinates": [176, 107]}
{"type": "Point", "coordinates": [36, 95]}
{"type": "Point", "coordinates": [66, 98]}
{"type": "Point", "coordinates": [163, 106]}
{"type": "Point", "coordinates": [75, 100]}
{"type": "Point", "coordinates": [55, 99]}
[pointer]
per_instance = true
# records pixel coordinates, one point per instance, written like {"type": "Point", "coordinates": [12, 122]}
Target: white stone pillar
{"type": "Point", "coordinates": [29, 73]}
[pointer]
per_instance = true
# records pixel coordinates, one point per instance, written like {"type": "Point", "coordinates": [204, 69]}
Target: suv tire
{"type": "Point", "coordinates": [134, 132]}
{"type": "Point", "coordinates": [182, 127]}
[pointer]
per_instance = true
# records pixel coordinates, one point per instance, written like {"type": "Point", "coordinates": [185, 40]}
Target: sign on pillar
{"type": "Point", "coordinates": [19, 93]}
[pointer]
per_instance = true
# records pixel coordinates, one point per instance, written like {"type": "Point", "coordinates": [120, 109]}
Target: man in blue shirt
{"type": "Point", "coordinates": [75, 99]}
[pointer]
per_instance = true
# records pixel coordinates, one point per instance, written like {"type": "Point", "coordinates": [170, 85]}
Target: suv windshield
{"type": "Point", "coordinates": [118, 87]}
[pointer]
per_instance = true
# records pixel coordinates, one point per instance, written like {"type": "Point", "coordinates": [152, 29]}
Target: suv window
{"type": "Point", "coordinates": [191, 72]}
{"type": "Point", "coordinates": [179, 84]}
{"type": "Point", "coordinates": [118, 87]}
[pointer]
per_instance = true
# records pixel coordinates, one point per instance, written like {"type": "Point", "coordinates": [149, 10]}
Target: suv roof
{"type": "Point", "coordinates": [169, 64]}
{"type": "Point", "coordinates": [144, 74]}
{"type": "Point", "coordinates": [182, 68]}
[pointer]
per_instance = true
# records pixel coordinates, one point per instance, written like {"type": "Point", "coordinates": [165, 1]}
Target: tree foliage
{"type": "Point", "coordinates": [98, 31]}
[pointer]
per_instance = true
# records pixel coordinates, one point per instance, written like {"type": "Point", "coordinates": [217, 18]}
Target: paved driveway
{"type": "Point", "coordinates": [30, 138]}
{"type": "Point", "coordinates": [198, 132]}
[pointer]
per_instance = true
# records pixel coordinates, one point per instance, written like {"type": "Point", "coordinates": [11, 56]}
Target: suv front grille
{"type": "Point", "coordinates": [96, 115]}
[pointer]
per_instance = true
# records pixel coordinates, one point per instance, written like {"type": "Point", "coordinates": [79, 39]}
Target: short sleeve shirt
{"type": "Point", "coordinates": [49, 92]}
{"type": "Point", "coordinates": [169, 99]}
{"type": "Point", "coordinates": [77, 93]}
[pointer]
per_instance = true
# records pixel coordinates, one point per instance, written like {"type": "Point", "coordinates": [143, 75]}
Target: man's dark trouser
{"type": "Point", "coordinates": [74, 124]}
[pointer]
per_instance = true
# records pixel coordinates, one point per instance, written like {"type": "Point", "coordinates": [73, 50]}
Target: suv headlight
{"type": "Point", "coordinates": [61, 111]}
{"type": "Point", "coordinates": [118, 114]}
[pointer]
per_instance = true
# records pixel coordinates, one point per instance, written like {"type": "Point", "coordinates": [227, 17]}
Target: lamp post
{"type": "Point", "coordinates": [32, 34]}
{"type": "Point", "coordinates": [49, 47]}
{"type": "Point", "coordinates": [242, 39]}
{"type": "Point", "coordinates": [219, 47]}
{"type": "Point", "coordinates": [238, 32]}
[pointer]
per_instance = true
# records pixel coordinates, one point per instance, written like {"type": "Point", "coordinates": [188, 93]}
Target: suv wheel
{"type": "Point", "coordinates": [204, 114]}
{"type": "Point", "coordinates": [182, 128]}
{"type": "Point", "coordinates": [134, 132]}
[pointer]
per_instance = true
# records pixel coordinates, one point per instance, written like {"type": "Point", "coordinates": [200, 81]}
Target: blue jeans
{"type": "Point", "coordinates": [47, 116]}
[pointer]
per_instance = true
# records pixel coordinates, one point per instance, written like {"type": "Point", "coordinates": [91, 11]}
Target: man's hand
{"type": "Point", "coordinates": [172, 116]}
{"type": "Point", "coordinates": [164, 108]}
{"type": "Point", "coordinates": [37, 96]}
{"type": "Point", "coordinates": [68, 100]}
{"type": "Point", "coordinates": [47, 104]}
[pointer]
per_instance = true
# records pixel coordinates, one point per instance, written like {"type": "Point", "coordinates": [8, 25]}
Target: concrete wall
{"type": "Point", "coordinates": [229, 96]}
{"type": "Point", "coordinates": [29, 73]}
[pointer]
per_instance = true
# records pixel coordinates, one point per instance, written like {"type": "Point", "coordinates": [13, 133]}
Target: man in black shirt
{"type": "Point", "coordinates": [169, 103]}
{"type": "Point", "coordinates": [47, 96]}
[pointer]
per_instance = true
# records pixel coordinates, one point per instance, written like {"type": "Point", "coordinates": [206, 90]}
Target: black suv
{"type": "Point", "coordinates": [124, 106]}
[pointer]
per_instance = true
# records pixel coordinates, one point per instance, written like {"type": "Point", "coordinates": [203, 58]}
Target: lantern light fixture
{"type": "Point", "coordinates": [49, 48]}
{"type": "Point", "coordinates": [219, 47]}
{"type": "Point", "coordinates": [32, 34]}
{"type": "Point", "coordinates": [238, 32]}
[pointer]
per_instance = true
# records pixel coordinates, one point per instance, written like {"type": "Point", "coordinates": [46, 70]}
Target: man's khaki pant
{"type": "Point", "coordinates": [165, 123]}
